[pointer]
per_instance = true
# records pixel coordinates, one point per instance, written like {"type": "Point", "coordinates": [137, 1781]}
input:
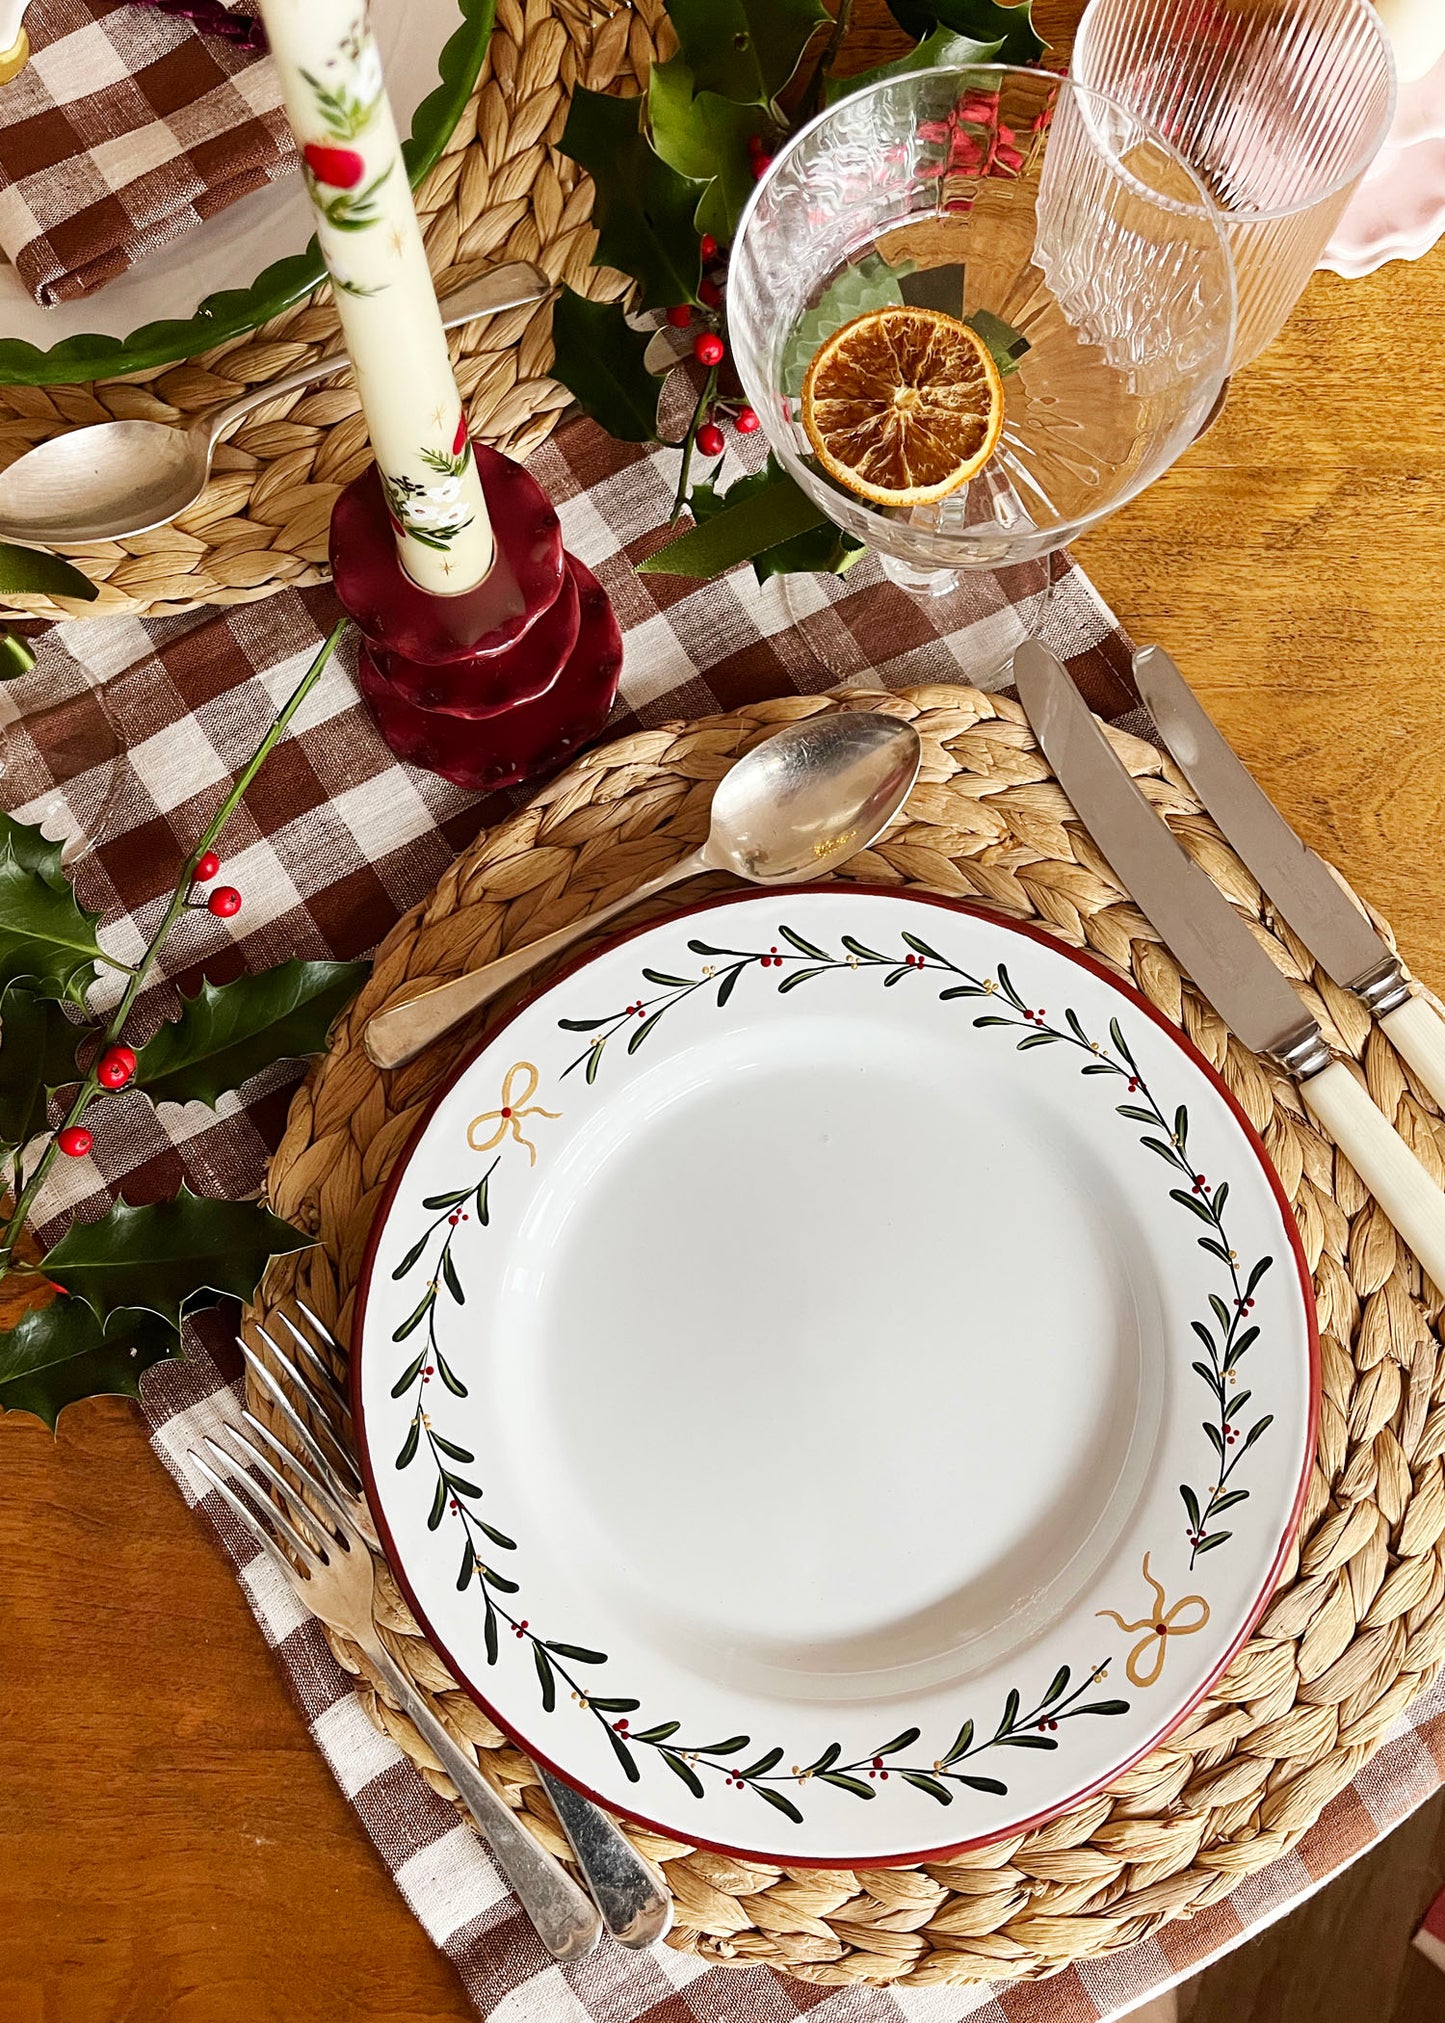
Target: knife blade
{"type": "Point", "coordinates": [1301, 884]}
{"type": "Point", "coordinates": [1214, 946]}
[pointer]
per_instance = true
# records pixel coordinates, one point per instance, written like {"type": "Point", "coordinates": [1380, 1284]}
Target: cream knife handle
{"type": "Point", "coordinates": [1383, 1161]}
{"type": "Point", "coordinates": [1417, 1030]}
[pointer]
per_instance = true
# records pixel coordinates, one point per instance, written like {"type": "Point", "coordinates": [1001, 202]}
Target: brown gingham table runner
{"type": "Point", "coordinates": [127, 127]}
{"type": "Point", "coordinates": [130, 732]}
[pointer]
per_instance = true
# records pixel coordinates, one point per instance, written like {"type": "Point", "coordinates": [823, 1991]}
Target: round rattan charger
{"type": "Point", "coordinates": [501, 191]}
{"type": "Point", "coordinates": [1357, 1625]}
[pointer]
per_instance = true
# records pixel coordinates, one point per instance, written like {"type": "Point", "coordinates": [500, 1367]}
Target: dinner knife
{"type": "Point", "coordinates": [1301, 885]}
{"type": "Point", "coordinates": [1221, 955]}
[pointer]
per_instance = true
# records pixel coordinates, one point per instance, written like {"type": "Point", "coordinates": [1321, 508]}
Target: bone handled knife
{"type": "Point", "coordinates": [1301, 884]}
{"type": "Point", "coordinates": [1225, 961]}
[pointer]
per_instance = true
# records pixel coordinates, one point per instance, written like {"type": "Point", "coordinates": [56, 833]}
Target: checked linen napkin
{"type": "Point", "coordinates": [335, 840]}
{"type": "Point", "coordinates": [127, 127]}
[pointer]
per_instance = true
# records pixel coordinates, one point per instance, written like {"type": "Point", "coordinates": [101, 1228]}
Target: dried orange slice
{"type": "Point", "coordinates": [903, 405]}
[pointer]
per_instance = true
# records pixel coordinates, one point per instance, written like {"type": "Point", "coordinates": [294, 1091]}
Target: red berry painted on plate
{"type": "Point", "coordinates": [680, 315]}
{"type": "Point", "coordinates": [74, 1141]}
{"type": "Point", "coordinates": [710, 440]}
{"type": "Point", "coordinates": [459, 440]}
{"type": "Point", "coordinates": [745, 421]}
{"type": "Point", "coordinates": [708, 292]}
{"type": "Point", "coordinates": [708, 348]}
{"type": "Point", "coordinates": [115, 1067]}
{"type": "Point", "coordinates": [340, 168]}
{"type": "Point", "coordinates": [707, 248]}
{"type": "Point", "coordinates": [224, 902]}
{"type": "Point", "coordinates": [207, 865]}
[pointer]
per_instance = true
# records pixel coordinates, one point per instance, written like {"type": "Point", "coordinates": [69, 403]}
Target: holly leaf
{"type": "Point", "coordinates": [31, 847]}
{"type": "Point", "coordinates": [230, 1031]}
{"type": "Point", "coordinates": [825, 549]}
{"type": "Point", "coordinates": [46, 938]}
{"type": "Point", "coordinates": [704, 136]}
{"type": "Point", "coordinates": [600, 360]}
{"type": "Point", "coordinates": [744, 49]}
{"type": "Point", "coordinates": [764, 517]}
{"type": "Point", "coordinates": [869, 284]}
{"type": "Point", "coordinates": [1011, 27]}
{"type": "Point", "coordinates": [24, 572]}
{"type": "Point", "coordinates": [37, 1056]}
{"type": "Point", "coordinates": [168, 1256]}
{"type": "Point", "coordinates": [644, 210]}
{"type": "Point", "coordinates": [17, 656]}
{"type": "Point", "coordinates": [58, 1353]}
{"type": "Point", "coordinates": [941, 49]}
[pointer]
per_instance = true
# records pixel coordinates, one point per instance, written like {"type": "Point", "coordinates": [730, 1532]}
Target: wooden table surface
{"type": "Point", "coordinates": [171, 1845]}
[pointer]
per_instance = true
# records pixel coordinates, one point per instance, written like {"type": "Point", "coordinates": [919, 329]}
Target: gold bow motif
{"type": "Point", "coordinates": [1146, 1660]}
{"type": "Point", "coordinates": [514, 1108]}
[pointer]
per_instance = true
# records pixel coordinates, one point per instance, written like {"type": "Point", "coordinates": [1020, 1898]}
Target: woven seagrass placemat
{"type": "Point", "coordinates": [501, 191]}
{"type": "Point", "coordinates": [1357, 1625]}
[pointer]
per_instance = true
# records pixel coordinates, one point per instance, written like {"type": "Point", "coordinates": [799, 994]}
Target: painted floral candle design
{"type": "Point", "coordinates": [367, 228]}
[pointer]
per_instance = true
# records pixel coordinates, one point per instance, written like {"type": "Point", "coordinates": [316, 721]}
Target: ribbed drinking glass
{"type": "Point", "coordinates": [1279, 105]}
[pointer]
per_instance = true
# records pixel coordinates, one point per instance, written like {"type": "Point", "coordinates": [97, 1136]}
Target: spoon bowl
{"type": "Point", "coordinates": [795, 807]}
{"type": "Point", "coordinates": [118, 478]}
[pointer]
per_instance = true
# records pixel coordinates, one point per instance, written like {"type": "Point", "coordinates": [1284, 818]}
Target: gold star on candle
{"type": "Point", "coordinates": [437, 417]}
{"type": "Point", "coordinates": [397, 242]}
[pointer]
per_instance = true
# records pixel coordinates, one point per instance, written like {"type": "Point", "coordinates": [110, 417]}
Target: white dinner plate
{"type": "Point", "coordinates": [836, 1376]}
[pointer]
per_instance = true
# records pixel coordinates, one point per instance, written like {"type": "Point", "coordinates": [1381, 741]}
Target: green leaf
{"type": "Point", "coordinates": [37, 1056]}
{"type": "Point", "coordinates": [777, 1800]}
{"type": "Point", "coordinates": [46, 938]}
{"type": "Point", "coordinates": [58, 1354]}
{"type": "Point", "coordinates": [598, 357]}
{"type": "Point", "coordinates": [705, 137]}
{"type": "Point", "coordinates": [489, 1631]}
{"type": "Point", "coordinates": [438, 1504]}
{"type": "Point", "coordinates": [24, 571]}
{"type": "Point", "coordinates": [1057, 1686]}
{"type": "Point", "coordinates": [744, 49]}
{"type": "Point", "coordinates": [931, 1785]}
{"type": "Point", "coordinates": [546, 1678]}
{"type": "Point", "coordinates": [17, 656]}
{"type": "Point", "coordinates": [660, 1733]}
{"type": "Point", "coordinates": [844, 1782]}
{"type": "Point", "coordinates": [1011, 27]}
{"type": "Point", "coordinates": [166, 1257]}
{"type": "Point", "coordinates": [940, 49]}
{"type": "Point", "coordinates": [578, 1653]}
{"type": "Point", "coordinates": [644, 210]}
{"type": "Point", "coordinates": [1102, 1706]}
{"type": "Point", "coordinates": [825, 549]}
{"type": "Point", "coordinates": [766, 1762]}
{"type": "Point", "coordinates": [621, 1752]}
{"type": "Point", "coordinates": [229, 1032]}
{"type": "Point", "coordinates": [989, 1784]}
{"type": "Point", "coordinates": [409, 1446]}
{"type": "Point", "coordinates": [869, 284]}
{"type": "Point", "coordinates": [1191, 1505]}
{"type": "Point", "coordinates": [685, 1771]}
{"type": "Point", "coordinates": [409, 1375]}
{"type": "Point", "coordinates": [774, 512]}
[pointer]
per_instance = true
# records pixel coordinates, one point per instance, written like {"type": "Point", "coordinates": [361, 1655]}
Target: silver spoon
{"type": "Point", "coordinates": [125, 477]}
{"type": "Point", "coordinates": [796, 806]}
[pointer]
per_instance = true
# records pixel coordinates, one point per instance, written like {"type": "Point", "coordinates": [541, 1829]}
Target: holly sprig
{"type": "Point", "coordinates": [107, 1300]}
{"type": "Point", "coordinates": [672, 170]}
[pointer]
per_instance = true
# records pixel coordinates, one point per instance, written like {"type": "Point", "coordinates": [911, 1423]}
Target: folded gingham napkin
{"type": "Point", "coordinates": [127, 127]}
{"type": "Point", "coordinates": [138, 729]}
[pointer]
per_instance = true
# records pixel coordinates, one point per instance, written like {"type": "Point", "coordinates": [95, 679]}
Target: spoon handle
{"type": "Point", "coordinates": [510, 286]}
{"type": "Point", "coordinates": [399, 1034]}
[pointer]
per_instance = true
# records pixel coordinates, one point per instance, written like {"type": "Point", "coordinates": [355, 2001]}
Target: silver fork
{"type": "Point", "coordinates": [635, 1907]}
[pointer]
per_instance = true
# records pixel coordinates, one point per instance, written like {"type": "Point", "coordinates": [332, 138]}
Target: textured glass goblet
{"type": "Point", "coordinates": [1078, 243]}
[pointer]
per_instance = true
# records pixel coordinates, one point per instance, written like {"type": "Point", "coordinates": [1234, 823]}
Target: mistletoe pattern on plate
{"type": "Point", "coordinates": [367, 229]}
{"type": "Point", "coordinates": [1034, 1715]}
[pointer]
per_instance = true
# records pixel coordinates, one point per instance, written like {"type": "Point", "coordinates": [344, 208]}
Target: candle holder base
{"type": "Point", "coordinates": [502, 683]}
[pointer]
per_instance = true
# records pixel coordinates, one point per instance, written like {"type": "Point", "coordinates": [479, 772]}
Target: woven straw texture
{"type": "Point", "coordinates": [500, 192]}
{"type": "Point", "coordinates": [1357, 1626]}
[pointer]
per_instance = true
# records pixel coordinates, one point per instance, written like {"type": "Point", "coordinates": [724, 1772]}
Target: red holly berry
{"type": "Point", "coordinates": [761, 165]}
{"type": "Point", "coordinates": [341, 168]}
{"type": "Point", "coordinates": [680, 315]}
{"type": "Point", "coordinates": [708, 348]}
{"type": "Point", "coordinates": [207, 865]}
{"type": "Point", "coordinates": [115, 1067]}
{"type": "Point", "coordinates": [224, 902]}
{"type": "Point", "coordinates": [74, 1141]}
{"type": "Point", "coordinates": [756, 144]}
{"type": "Point", "coordinates": [745, 421]}
{"type": "Point", "coordinates": [459, 440]}
{"type": "Point", "coordinates": [710, 440]}
{"type": "Point", "coordinates": [708, 292]}
{"type": "Point", "coordinates": [707, 248]}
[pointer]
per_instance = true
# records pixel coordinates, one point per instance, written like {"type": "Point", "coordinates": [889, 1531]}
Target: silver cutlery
{"type": "Point", "coordinates": [1221, 955]}
{"type": "Point", "coordinates": [1301, 885]}
{"type": "Point", "coordinates": [124, 477]}
{"type": "Point", "coordinates": [794, 807]}
{"type": "Point", "coordinates": [635, 1907]}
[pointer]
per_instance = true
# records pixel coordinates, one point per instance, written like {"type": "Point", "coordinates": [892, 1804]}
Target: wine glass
{"type": "Point", "coordinates": [1077, 242]}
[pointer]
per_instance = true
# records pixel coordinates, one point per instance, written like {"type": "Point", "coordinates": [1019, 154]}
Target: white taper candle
{"type": "Point", "coordinates": [1416, 28]}
{"type": "Point", "coordinates": [366, 223]}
